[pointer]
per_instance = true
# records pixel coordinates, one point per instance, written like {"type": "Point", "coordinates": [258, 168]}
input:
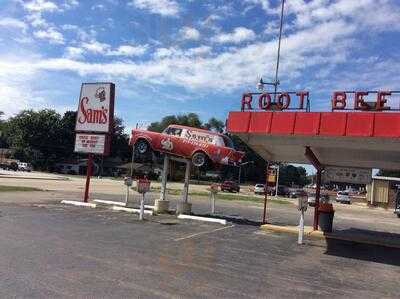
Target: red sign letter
{"type": "Point", "coordinates": [339, 100]}
{"type": "Point", "coordinates": [281, 104]}
{"type": "Point", "coordinates": [246, 101]}
{"type": "Point", "coordinates": [381, 100]}
{"type": "Point", "coordinates": [301, 95]}
{"type": "Point", "coordinates": [264, 101]}
{"type": "Point", "coordinates": [359, 103]}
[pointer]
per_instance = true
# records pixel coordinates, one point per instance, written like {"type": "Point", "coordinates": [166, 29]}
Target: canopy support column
{"type": "Point", "coordinates": [315, 162]}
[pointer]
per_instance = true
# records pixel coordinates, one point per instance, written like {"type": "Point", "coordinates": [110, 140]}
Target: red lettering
{"type": "Point", "coordinates": [247, 98]}
{"type": "Point", "coordinates": [339, 100]}
{"type": "Point", "coordinates": [359, 103]}
{"type": "Point", "coordinates": [264, 101]}
{"type": "Point", "coordinates": [381, 100]}
{"type": "Point", "coordinates": [105, 118]}
{"type": "Point", "coordinates": [97, 116]}
{"type": "Point", "coordinates": [302, 95]}
{"type": "Point", "coordinates": [82, 108]}
{"type": "Point", "coordinates": [283, 101]}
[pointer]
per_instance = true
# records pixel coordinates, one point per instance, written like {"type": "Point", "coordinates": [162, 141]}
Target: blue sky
{"type": "Point", "coordinates": [169, 56]}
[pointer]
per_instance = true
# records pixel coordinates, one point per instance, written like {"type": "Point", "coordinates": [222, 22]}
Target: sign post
{"type": "Point", "coordinates": [93, 125]}
{"type": "Point", "coordinates": [213, 191]}
{"type": "Point", "coordinates": [302, 207]}
{"type": "Point", "coordinates": [88, 175]}
{"type": "Point", "coordinates": [143, 186]}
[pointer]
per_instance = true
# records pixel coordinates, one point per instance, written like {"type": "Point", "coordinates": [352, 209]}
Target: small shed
{"type": "Point", "coordinates": [382, 191]}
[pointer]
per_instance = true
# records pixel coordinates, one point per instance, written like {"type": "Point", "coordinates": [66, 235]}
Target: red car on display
{"type": "Point", "coordinates": [201, 146]}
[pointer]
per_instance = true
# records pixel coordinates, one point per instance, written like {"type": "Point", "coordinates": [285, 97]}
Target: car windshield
{"type": "Point", "coordinates": [228, 142]}
{"type": "Point", "coordinates": [173, 131]}
{"type": "Point", "coordinates": [259, 186]}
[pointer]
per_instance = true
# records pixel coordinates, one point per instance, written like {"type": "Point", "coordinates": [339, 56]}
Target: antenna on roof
{"type": "Point", "coordinates": [276, 83]}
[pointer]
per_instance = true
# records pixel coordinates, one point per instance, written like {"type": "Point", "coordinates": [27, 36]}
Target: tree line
{"type": "Point", "coordinates": [46, 137]}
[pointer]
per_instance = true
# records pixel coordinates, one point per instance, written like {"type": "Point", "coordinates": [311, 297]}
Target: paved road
{"type": "Point", "coordinates": [50, 250]}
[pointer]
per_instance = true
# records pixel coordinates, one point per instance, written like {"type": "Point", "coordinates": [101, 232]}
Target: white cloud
{"type": "Point", "coordinates": [37, 20]}
{"type": "Point", "coordinates": [238, 35]}
{"type": "Point", "coordinates": [198, 50]}
{"type": "Point", "coordinates": [39, 5]}
{"type": "Point", "coordinates": [128, 50]}
{"type": "Point", "coordinates": [98, 7]}
{"type": "Point", "coordinates": [189, 33]}
{"type": "Point", "coordinates": [74, 53]}
{"type": "Point", "coordinates": [13, 23]}
{"type": "Point", "coordinates": [161, 7]}
{"type": "Point", "coordinates": [96, 47]}
{"type": "Point", "coordinates": [81, 33]}
{"type": "Point", "coordinates": [70, 4]}
{"type": "Point", "coordinates": [50, 34]}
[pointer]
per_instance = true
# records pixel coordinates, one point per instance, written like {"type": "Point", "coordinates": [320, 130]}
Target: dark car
{"type": "Point", "coordinates": [230, 186]}
{"type": "Point", "coordinates": [297, 193]}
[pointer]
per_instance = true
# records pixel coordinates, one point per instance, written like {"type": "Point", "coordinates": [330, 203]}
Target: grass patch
{"type": "Point", "coordinates": [17, 189]}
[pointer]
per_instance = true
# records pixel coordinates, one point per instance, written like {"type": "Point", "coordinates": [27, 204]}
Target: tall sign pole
{"type": "Point", "coordinates": [93, 127]}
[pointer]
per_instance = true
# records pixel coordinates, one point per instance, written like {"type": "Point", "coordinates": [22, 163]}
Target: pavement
{"type": "Point", "coordinates": [54, 250]}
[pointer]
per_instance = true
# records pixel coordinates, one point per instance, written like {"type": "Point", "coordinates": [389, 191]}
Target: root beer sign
{"type": "Point", "coordinates": [299, 100]}
{"type": "Point", "coordinates": [94, 118]}
{"type": "Point", "coordinates": [275, 101]}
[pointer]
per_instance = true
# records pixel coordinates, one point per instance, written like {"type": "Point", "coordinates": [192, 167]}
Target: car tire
{"type": "Point", "coordinates": [398, 215]}
{"type": "Point", "coordinates": [142, 151]}
{"type": "Point", "coordinates": [199, 159]}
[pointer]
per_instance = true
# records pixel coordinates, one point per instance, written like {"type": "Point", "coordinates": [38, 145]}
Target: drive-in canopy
{"type": "Point", "coordinates": [350, 139]}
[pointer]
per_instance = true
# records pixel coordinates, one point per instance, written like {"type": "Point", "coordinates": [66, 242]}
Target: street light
{"type": "Point", "coordinates": [261, 83]}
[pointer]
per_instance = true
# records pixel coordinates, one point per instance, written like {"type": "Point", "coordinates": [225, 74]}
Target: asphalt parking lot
{"type": "Point", "coordinates": [54, 250]}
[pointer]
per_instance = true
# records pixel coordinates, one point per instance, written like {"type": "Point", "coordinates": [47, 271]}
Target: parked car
{"type": "Point", "coordinates": [230, 186]}
{"type": "Point", "coordinates": [324, 198]}
{"type": "Point", "coordinates": [297, 193]}
{"type": "Point", "coordinates": [283, 191]}
{"type": "Point", "coordinates": [23, 166]}
{"type": "Point", "coordinates": [343, 197]}
{"type": "Point", "coordinates": [259, 189]}
{"type": "Point", "coordinates": [203, 147]}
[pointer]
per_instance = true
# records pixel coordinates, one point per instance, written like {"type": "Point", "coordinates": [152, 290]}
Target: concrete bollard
{"type": "Point", "coordinates": [161, 206]}
{"type": "Point", "coordinates": [184, 208]}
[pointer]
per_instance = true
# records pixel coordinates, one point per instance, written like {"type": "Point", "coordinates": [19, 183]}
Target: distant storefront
{"type": "Point", "coordinates": [382, 191]}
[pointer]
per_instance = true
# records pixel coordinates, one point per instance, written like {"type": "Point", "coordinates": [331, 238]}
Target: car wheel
{"type": "Point", "coordinates": [142, 147]}
{"type": "Point", "coordinates": [398, 215]}
{"type": "Point", "coordinates": [199, 159]}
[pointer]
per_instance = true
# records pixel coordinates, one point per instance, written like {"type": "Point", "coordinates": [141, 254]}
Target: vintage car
{"type": "Point", "coordinates": [201, 146]}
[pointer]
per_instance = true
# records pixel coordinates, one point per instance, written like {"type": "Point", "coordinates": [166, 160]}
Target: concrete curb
{"type": "Point", "coordinates": [33, 178]}
{"type": "Point", "coordinates": [79, 203]}
{"type": "Point", "coordinates": [309, 232]}
{"type": "Point", "coordinates": [118, 203]}
{"type": "Point", "coordinates": [206, 219]}
{"type": "Point", "coordinates": [131, 210]}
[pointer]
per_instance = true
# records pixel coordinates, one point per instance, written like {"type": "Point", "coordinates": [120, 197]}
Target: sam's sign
{"type": "Point", "coordinates": [96, 108]}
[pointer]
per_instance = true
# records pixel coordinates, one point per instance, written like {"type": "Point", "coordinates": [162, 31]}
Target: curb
{"type": "Point", "coordinates": [206, 219]}
{"type": "Point", "coordinates": [308, 230]}
{"type": "Point", "coordinates": [79, 203]}
{"type": "Point", "coordinates": [131, 210]}
{"type": "Point", "coordinates": [33, 178]}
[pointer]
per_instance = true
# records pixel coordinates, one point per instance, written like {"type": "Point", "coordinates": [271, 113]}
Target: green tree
{"type": "Point", "coordinates": [291, 175]}
{"type": "Point", "coordinates": [189, 119]}
{"type": "Point", "coordinates": [215, 125]}
{"type": "Point", "coordinates": [389, 173]}
{"type": "Point", "coordinates": [36, 137]}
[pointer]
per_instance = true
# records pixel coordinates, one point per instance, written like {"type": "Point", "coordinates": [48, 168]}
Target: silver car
{"type": "Point", "coordinates": [343, 197]}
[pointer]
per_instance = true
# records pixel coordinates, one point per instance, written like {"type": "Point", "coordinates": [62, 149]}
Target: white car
{"type": "Point", "coordinates": [259, 189]}
{"type": "Point", "coordinates": [343, 197]}
{"type": "Point", "coordinates": [24, 166]}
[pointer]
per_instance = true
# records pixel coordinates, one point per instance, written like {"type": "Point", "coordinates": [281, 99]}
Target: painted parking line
{"type": "Point", "coordinates": [202, 233]}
